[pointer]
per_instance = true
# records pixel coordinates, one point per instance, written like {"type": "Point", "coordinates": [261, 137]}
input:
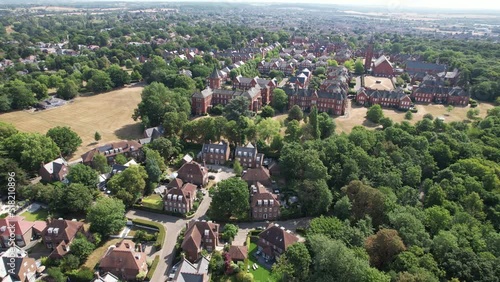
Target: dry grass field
{"type": "Point", "coordinates": [357, 115]}
{"type": "Point", "coordinates": [110, 114]}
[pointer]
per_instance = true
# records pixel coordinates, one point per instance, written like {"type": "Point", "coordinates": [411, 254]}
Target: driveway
{"type": "Point", "coordinates": [173, 227]}
{"type": "Point", "coordinates": [222, 174]}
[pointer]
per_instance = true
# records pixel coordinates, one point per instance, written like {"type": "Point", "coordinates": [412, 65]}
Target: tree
{"type": "Point", "coordinates": [358, 67]}
{"type": "Point", "coordinates": [166, 148]}
{"type": "Point", "coordinates": [81, 247]}
{"type": "Point", "coordinates": [67, 90]}
{"type": "Point", "coordinates": [293, 131]}
{"type": "Point", "coordinates": [30, 150]}
{"type": "Point", "coordinates": [157, 100]}
{"type": "Point", "coordinates": [106, 216]}
{"type": "Point", "coordinates": [83, 174]}
{"type": "Point", "coordinates": [237, 168]}
{"type": "Point", "coordinates": [295, 114]}
{"type": "Point", "coordinates": [365, 201]}
{"type": "Point", "coordinates": [409, 115]}
{"type": "Point", "coordinates": [383, 247]}
{"type": "Point", "coordinates": [129, 184]}
{"type": "Point", "coordinates": [19, 94]}
{"type": "Point", "coordinates": [66, 139]}
{"type": "Point", "coordinates": [121, 159]}
{"type": "Point", "coordinates": [230, 231]}
{"type": "Point", "coordinates": [236, 108]}
{"type": "Point", "coordinates": [437, 218]}
{"type": "Point", "coordinates": [294, 264]}
{"type": "Point", "coordinates": [375, 113]}
{"type": "Point", "coordinates": [230, 199]}
{"type": "Point", "coordinates": [135, 76]}
{"type": "Point", "coordinates": [326, 125]}
{"type": "Point", "coordinates": [97, 136]}
{"type": "Point", "coordinates": [118, 76]}
{"type": "Point", "coordinates": [155, 165]}
{"type": "Point", "coordinates": [99, 82]}
{"type": "Point", "coordinates": [386, 122]}
{"type": "Point", "coordinates": [6, 130]}
{"type": "Point", "coordinates": [100, 163]}
{"type": "Point", "coordinates": [314, 123]}
{"type": "Point", "coordinates": [267, 112]}
{"type": "Point", "coordinates": [76, 198]}
{"type": "Point", "coordinates": [267, 128]}
{"type": "Point", "coordinates": [56, 274]}
{"type": "Point", "coordinates": [333, 261]}
{"type": "Point", "coordinates": [472, 113]}
{"type": "Point", "coordinates": [279, 100]}
{"type": "Point", "coordinates": [410, 228]}
{"type": "Point", "coordinates": [315, 197]}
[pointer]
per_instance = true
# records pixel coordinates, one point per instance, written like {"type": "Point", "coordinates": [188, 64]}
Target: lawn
{"type": "Point", "coordinates": [109, 113]}
{"type": "Point", "coordinates": [98, 253]}
{"type": "Point", "coordinates": [153, 201]}
{"type": "Point", "coordinates": [261, 274]}
{"type": "Point", "coordinates": [40, 214]}
{"type": "Point", "coordinates": [356, 115]}
{"type": "Point", "coordinates": [135, 229]}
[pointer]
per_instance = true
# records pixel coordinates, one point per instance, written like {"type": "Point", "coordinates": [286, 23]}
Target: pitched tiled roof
{"type": "Point", "coordinates": [192, 272]}
{"type": "Point", "coordinates": [381, 60]}
{"type": "Point", "coordinates": [20, 225]}
{"type": "Point", "coordinates": [15, 259]}
{"type": "Point", "coordinates": [192, 168]}
{"type": "Point", "coordinates": [238, 252]}
{"type": "Point", "coordinates": [176, 183]}
{"type": "Point", "coordinates": [220, 148]}
{"type": "Point", "coordinates": [259, 174]}
{"type": "Point", "coordinates": [112, 149]}
{"type": "Point", "coordinates": [194, 232]}
{"type": "Point", "coordinates": [425, 66]}
{"type": "Point", "coordinates": [123, 256]}
{"type": "Point", "coordinates": [66, 229]}
{"type": "Point", "coordinates": [278, 237]}
{"type": "Point", "coordinates": [55, 166]}
{"type": "Point", "coordinates": [264, 198]}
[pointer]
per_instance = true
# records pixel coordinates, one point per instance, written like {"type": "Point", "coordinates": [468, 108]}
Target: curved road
{"type": "Point", "coordinates": [174, 225]}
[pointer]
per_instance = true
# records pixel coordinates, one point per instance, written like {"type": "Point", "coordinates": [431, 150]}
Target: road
{"type": "Point", "coordinates": [173, 226]}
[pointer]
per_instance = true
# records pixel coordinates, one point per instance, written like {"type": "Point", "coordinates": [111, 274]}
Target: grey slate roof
{"type": "Point", "coordinates": [425, 66]}
{"type": "Point", "coordinates": [248, 151]}
{"type": "Point", "coordinates": [219, 148]}
{"type": "Point", "coordinates": [389, 94]}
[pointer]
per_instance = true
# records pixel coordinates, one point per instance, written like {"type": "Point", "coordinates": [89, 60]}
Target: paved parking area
{"type": "Point", "coordinates": [222, 174]}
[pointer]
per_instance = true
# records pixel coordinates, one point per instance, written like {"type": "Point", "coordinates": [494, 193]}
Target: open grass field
{"type": "Point", "coordinates": [40, 214]}
{"type": "Point", "coordinates": [109, 113]}
{"type": "Point", "coordinates": [357, 115]}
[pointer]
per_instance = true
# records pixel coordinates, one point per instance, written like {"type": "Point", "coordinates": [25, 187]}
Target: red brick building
{"type": "Point", "coordinates": [59, 235]}
{"type": "Point", "coordinates": [193, 172]}
{"type": "Point", "coordinates": [275, 240]}
{"type": "Point", "coordinates": [202, 101]}
{"type": "Point", "coordinates": [215, 153]}
{"type": "Point", "coordinates": [124, 261]}
{"type": "Point", "coordinates": [332, 103]}
{"type": "Point", "coordinates": [180, 199]}
{"type": "Point", "coordinates": [248, 156]}
{"type": "Point", "coordinates": [200, 235]}
{"type": "Point", "coordinates": [264, 205]}
{"type": "Point", "coordinates": [56, 170]}
{"type": "Point", "coordinates": [385, 98]}
{"type": "Point", "coordinates": [383, 67]}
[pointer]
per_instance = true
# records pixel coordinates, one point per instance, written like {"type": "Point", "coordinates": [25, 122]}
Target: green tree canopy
{"type": "Point", "coordinates": [30, 150]}
{"type": "Point", "coordinates": [66, 139]}
{"type": "Point", "coordinates": [230, 199]}
{"type": "Point", "coordinates": [106, 216]}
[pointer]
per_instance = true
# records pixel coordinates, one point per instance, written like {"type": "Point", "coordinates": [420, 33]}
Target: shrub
{"type": "Point", "coordinates": [161, 235]}
{"type": "Point", "coordinates": [152, 269]}
{"type": "Point", "coordinates": [80, 275]}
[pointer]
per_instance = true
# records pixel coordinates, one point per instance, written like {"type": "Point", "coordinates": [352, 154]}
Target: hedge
{"type": "Point", "coordinates": [139, 207]}
{"type": "Point", "coordinates": [161, 230]}
{"type": "Point", "coordinates": [151, 271]}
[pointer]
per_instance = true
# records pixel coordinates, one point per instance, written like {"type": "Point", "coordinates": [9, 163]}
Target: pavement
{"type": "Point", "coordinates": [223, 174]}
{"type": "Point", "coordinates": [173, 226]}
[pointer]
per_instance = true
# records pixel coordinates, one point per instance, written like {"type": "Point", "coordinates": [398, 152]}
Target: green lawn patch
{"type": "Point", "coordinates": [40, 214]}
{"type": "Point", "coordinates": [261, 274]}
{"type": "Point", "coordinates": [153, 202]}
{"type": "Point", "coordinates": [153, 268]}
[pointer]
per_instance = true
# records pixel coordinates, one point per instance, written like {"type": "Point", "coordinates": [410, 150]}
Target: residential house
{"type": "Point", "coordinates": [202, 101]}
{"type": "Point", "coordinates": [386, 98]}
{"type": "Point", "coordinates": [152, 133]}
{"type": "Point", "coordinates": [215, 153]}
{"type": "Point", "coordinates": [56, 170]}
{"type": "Point", "coordinates": [194, 173]}
{"type": "Point", "coordinates": [123, 261]}
{"type": "Point", "coordinates": [248, 156]}
{"type": "Point", "coordinates": [192, 272]}
{"type": "Point", "coordinates": [130, 149]}
{"type": "Point", "coordinates": [441, 94]}
{"type": "Point", "coordinates": [238, 253]}
{"type": "Point", "coordinates": [23, 230]}
{"type": "Point", "coordinates": [15, 265]}
{"type": "Point", "coordinates": [257, 175]}
{"type": "Point", "coordinates": [275, 240]}
{"type": "Point", "coordinates": [200, 235]}
{"type": "Point", "coordinates": [180, 200]}
{"type": "Point", "coordinates": [264, 205]}
{"type": "Point", "coordinates": [59, 235]}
